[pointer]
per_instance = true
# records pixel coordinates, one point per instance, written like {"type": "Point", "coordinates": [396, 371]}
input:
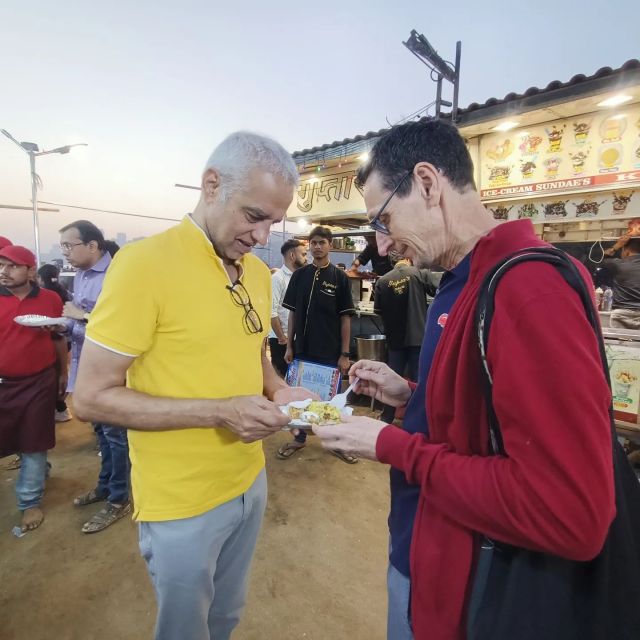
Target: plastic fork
{"type": "Point", "coordinates": [340, 399]}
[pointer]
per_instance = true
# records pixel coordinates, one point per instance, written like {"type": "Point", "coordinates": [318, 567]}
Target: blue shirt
{"type": "Point", "coordinates": [87, 285]}
{"type": "Point", "coordinates": [404, 496]}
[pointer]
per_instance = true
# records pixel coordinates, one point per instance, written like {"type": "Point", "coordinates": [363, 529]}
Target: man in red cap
{"type": "Point", "coordinates": [5, 242]}
{"type": "Point", "coordinates": [29, 359]}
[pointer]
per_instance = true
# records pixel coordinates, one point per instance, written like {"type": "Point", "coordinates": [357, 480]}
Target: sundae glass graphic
{"type": "Point", "coordinates": [622, 383]}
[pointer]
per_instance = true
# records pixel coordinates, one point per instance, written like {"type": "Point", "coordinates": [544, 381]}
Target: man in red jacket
{"type": "Point", "coordinates": [549, 392]}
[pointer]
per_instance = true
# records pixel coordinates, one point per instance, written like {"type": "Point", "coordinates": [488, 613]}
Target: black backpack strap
{"type": "Point", "coordinates": [486, 306]}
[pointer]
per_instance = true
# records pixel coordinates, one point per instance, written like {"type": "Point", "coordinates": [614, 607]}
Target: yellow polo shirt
{"type": "Point", "coordinates": [165, 301]}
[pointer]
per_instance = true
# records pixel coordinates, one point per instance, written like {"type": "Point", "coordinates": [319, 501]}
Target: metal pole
{"type": "Point", "coordinates": [456, 84]}
{"type": "Point", "coordinates": [439, 96]}
{"type": "Point", "coordinates": [34, 199]}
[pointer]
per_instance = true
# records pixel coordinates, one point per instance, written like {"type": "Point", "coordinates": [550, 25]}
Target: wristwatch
{"type": "Point", "coordinates": [346, 354]}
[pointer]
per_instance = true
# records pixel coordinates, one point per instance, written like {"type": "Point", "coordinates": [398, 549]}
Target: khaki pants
{"type": "Point", "coordinates": [625, 319]}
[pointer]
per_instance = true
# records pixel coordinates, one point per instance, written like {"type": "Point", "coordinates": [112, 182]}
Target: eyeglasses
{"type": "Point", "coordinates": [381, 227]}
{"type": "Point", "coordinates": [251, 319]}
{"type": "Point", "coordinates": [67, 246]}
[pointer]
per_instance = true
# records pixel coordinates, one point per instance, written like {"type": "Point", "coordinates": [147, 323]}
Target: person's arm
{"type": "Point", "coordinates": [76, 321]}
{"type": "Point", "coordinates": [620, 242]}
{"type": "Point", "coordinates": [429, 288]}
{"type": "Point", "coordinates": [345, 309]}
{"type": "Point", "coordinates": [291, 330]}
{"type": "Point", "coordinates": [123, 327]}
{"type": "Point", "coordinates": [272, 382]}
{"type": "Point", "coordinates": [552, 403]}
{"type": "Point", "coordinates": [101, 396]}
{"type": "Point", "coordinates": [62, 363]}
{"type": "Point", "coordinates": [278, 290]}
{"type": "Point", "coordinates": [377, 295]}
{"type": "Point", "coordinates": [277, 329]}
{"type": "Point", "coordinates": [362, 259]}
{"type": "Point", "coordinates": [289, 302]}
{"type": "Point", "coordinates": [345, 337]}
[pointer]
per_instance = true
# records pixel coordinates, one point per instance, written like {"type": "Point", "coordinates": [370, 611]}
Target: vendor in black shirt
{"type": "Point", "coordinates": [401, 301]}
{"type": "Point", "coordinates": [319, 301]}
{"type": "Point", "coordinates": [380, 264]}
{"type": "Point", "coordinates": [626, 282]}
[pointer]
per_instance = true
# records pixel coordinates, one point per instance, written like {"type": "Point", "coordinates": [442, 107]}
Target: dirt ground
{"type": "Point", "coordinates": [319, 572]}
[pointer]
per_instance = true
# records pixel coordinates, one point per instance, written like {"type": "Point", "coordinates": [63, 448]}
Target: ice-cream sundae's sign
{"type": "Point", "coordinates": [592, 150]}
{"type": "Point", "coordinates": [561, 209]}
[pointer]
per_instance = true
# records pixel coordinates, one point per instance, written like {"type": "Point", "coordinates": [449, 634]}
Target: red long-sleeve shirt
{"type": "Point", "coordinates": [554, 492]}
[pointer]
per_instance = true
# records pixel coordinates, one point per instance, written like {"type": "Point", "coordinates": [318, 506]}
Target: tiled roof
{"type": "Point", "coordinates": [359, 142]}
{"type": "Point", "coordinates": [603, 72]}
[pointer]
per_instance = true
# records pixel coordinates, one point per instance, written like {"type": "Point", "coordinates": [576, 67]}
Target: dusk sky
{"type": "Point", "coordinates": [152, 87]}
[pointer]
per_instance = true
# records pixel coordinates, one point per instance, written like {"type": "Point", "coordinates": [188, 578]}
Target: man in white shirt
{"type": "Point", "coordinates": [294, 255]}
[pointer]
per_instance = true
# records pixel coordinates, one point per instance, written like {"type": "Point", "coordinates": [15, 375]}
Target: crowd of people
{"type": "Point", "coordinates": [178, 384]}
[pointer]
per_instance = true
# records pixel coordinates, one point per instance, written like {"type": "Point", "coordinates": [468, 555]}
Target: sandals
{"type": "Point", "coordinates": [345, 457]}
{"type": "Point", "coordinates": [106, 517]}
{"type": "Point", "coordinates": [89, 498]}
{"type": "Point", "coordinates": [289, 449]}
{"type": "Point", "coordinates": [13, 464]}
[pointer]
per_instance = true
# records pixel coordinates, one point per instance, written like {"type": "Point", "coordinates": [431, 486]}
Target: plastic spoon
{"type": "Point", "coordinates": [340, 400]}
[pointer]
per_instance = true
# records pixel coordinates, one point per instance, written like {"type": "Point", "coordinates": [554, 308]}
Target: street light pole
{"type": "Point", "coordinates": [33, 151]}
{"type": "Point", "coordinates": [34, 201]}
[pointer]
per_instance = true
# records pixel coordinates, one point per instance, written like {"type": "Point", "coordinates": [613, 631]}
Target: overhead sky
{"type": "Point", "coordinates": [152, 87]}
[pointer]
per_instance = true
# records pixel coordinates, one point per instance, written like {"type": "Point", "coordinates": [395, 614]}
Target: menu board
{"type": "Point", "coordinates": [624, 369]}
{"type": "Point", "coordinates": [573, 154]}
{"type": "Point", "coordinates": [318, 378]}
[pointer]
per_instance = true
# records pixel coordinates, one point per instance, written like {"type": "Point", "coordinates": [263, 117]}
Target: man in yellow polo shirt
{"type": "Point", "coordinates": [184, 316]}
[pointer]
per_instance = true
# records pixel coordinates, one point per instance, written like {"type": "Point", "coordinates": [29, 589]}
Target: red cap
{"type": "Point", "coordinates": [18, 255]}
{"type": "Point", "coordinates": [5, 242]}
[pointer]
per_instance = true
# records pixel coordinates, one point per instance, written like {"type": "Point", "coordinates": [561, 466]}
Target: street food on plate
{"type": "Point", "coordinates": [295, 413]}
{"type": "Point", "coordinates": [315, 412]}
{"type": "Point", "coordinates": [322, 413]}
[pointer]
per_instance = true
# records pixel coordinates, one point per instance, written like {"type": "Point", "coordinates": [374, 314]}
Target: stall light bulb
{"type": "Point", "coordinates": [364, 156]}
{"type": "Point", "coordinates": [614, 101]}
{"type": "Point", "coordinates": [506, 126]}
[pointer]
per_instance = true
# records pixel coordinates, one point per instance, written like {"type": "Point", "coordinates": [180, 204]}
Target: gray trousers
{"type": "Point", "coordinates": [200, 566]}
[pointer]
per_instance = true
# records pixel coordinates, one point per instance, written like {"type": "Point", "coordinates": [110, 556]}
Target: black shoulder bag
{"type": "Point", "coordinates": [519, 594]}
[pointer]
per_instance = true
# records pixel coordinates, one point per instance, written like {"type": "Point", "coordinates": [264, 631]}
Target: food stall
{"type": "Point", "coordinates": [566, 156]}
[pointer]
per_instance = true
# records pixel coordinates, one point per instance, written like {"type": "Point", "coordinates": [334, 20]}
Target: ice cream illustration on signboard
{"type": "Point", "coordinates": [581, 131]}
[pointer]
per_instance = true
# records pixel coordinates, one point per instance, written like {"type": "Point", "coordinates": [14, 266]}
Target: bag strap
{"type": "Point", "coordinates": [484, 314]}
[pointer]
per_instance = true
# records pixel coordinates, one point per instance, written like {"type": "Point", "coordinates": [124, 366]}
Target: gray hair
{"type": "Point", "coordinates": [243, 151]}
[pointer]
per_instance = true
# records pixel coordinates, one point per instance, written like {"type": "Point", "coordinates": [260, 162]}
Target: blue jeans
{"type": "Point", "coordinates": [399, 594]}
{"type": "Point", "coordinates": [200, 566]}
{"type": "Point", "coordinates": [31, 479]}
{"type": "Point", "coordinates": [113, 481]}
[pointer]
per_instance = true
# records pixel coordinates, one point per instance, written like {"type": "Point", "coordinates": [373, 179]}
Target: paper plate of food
{"type": "Point", "coordinates": [35, 320]}
{"type": "Point", "coordinates": [305, 413]}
